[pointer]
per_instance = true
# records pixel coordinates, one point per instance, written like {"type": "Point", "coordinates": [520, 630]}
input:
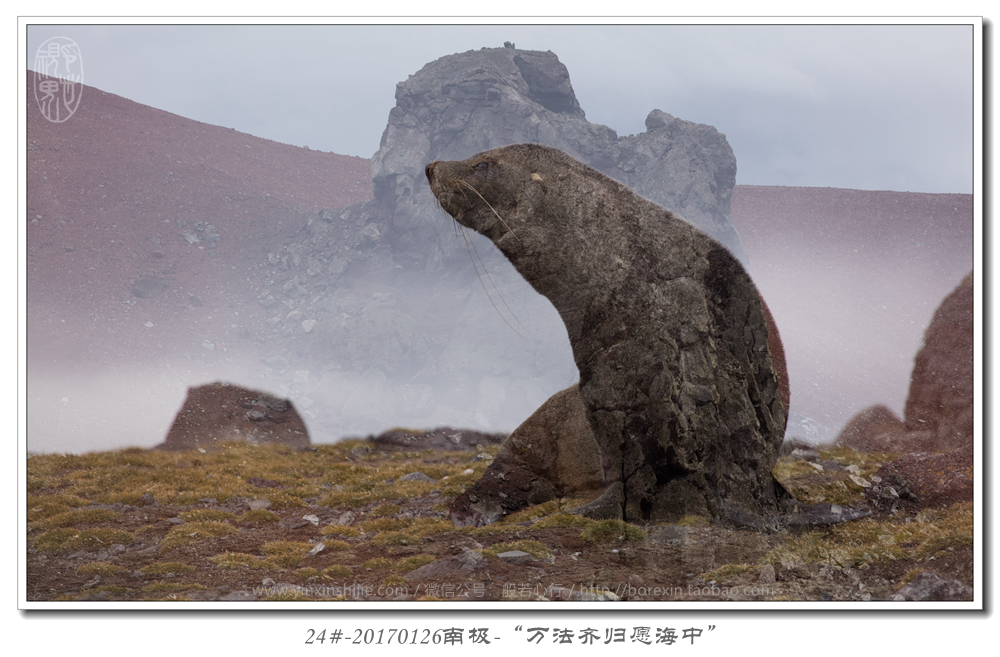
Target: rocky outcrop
{"type": "Point", "coordinates": [698, 163]}
{"type": "Point", "coordinates": [928, 586]}
{"type": "Point", "coordinates": [465, 563]}
{"type": "Point", "coordinates": [474, 101]}
{"type": "Point", "coordinates": [937, 469]}
{"type": "Point", "coordinates": [220, 411]}
{"type": "Point", "coordinates": [939, 408]}
{"type": "Point", "coordinates": [441, 438]}
{"type": "Point", "coordinates": [941, 386]}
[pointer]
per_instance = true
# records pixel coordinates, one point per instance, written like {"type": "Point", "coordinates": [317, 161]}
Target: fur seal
{"type": "Point", "coordinates": [667, 330]}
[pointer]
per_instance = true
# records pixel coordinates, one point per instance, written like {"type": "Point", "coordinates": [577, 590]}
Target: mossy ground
{"type": "Point", "coordinates": [147, 525]}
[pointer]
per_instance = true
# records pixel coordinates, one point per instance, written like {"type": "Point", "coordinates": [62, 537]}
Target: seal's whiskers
{"type": "Point", "coordinates": [494, 286]}
{"type": "Point", "coordinates": [476, 192]}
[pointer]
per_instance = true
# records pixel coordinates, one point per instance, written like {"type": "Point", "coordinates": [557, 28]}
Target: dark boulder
{"type": "Point", "coordinates": [552, 454]}
{"type": "Point", "coordinates": [875, 429]}
{"type": "Point", "coordinates": [221, 411]}
{"type": "Point", "coordinates": [441, 439]}
{"type": "Point", "coordinates": [928, 586]}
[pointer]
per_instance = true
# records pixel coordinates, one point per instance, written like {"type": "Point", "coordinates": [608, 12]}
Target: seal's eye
{"type": "Point", "coordinates": [481, 168]}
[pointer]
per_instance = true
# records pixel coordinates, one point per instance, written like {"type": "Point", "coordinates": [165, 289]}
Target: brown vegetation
{"type": "Point", "coordinates": [151, 525]}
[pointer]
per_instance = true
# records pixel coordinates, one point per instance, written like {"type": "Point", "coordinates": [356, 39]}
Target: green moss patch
{"type": "Point", "coordinates": [45, 506]}
{"type": "Point", "coordinates": [306, 573]}
{"type": "Point", "coordinates": [340, 530]}
{"type": "Point", "coordinates": [545, 509]}
{"type": "Point", "coordinates": [180, 477]}
{"type": "Point", "coordinates": [286, 553]}
{"type": "Point", "coordinates": [101, 568]}
{"type": "Point", "coordinates": [814, 486]}
{"type": "Point", "coordinates": [190, 532]}
{"type": "Point", "coordinates": [562, 520]}
{"type": "Point", "coordinates": [386, 510]}
{"type": "Point", "coordinates": [158, 587]}
{"type": "Point", "coordinates": [69, 538]}
{"type": "Point", "coordinates": [379, 563]}
{"type": "Point", "coordinates": [337, 572]}
{"type": "Point", "coordinates": [727, 573]}
{"type": "Point", "coordinates": [78, 517]}
{"type": "Point", "coordinates": [407, 564]}
{"type": "Point", "coordinates": [842, 490]}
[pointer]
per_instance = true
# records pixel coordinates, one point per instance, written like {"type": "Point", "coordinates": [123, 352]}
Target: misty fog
{"type": "Point", "coordinates": [98, 402]}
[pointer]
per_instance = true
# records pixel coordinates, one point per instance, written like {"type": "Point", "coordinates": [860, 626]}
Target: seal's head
{"type": "Point", "coordinates": [496, 192]}
{"type": "Point", "coordinates": [550, 214]}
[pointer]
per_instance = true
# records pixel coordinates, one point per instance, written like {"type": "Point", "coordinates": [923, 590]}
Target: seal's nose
{"type": "Point", "coordinates": [428, 169]}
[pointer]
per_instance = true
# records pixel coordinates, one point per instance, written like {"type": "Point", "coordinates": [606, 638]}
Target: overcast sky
{"type": "Point", "coordinates": [861, 107]}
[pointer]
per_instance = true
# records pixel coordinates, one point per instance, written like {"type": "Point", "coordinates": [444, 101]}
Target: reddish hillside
{"type": "Point", "coordinates": [111, 191]}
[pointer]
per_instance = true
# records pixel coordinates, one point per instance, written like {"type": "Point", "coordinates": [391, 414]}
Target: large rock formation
{"type": "Point", "coordinates": [221, 411]}
{"type": "Point", "coordinates": [379, 303]}
{"type": "Point", "coordinates": [481, 99]}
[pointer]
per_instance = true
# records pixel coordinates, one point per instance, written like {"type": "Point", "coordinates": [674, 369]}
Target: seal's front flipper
{"type": "Point", "coordinates": [609, 506]}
